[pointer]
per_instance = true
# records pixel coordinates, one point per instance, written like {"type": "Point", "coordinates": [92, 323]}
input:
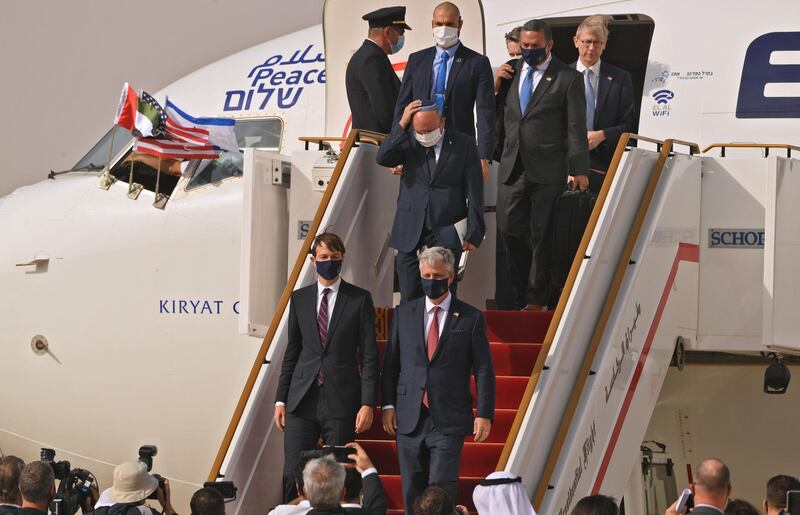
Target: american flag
{"type": "Point", "coordinates": [171, 140]}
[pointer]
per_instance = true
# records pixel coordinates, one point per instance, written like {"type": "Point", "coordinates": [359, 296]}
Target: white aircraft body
{"type": "Point", "coordinates": [123, 324]}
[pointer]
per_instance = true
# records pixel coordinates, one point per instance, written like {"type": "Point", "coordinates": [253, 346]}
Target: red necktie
{"type": "Point", "coordinates": [433, 342]}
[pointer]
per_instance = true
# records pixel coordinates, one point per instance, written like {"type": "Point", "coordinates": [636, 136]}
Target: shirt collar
{"type": "Point", "coordinates": [350, 505]}
{"type": "Point", "coordinates": [450, 51]}
{"type": "Point", "coordinates": [708, 506]}
{"type": "Point", "coordinates": [445, 304]}
{"type": "Point", "coordinates": [595, 67]}
{"type": "Point", "coordinates": [333, 287]}
{"type": "Point", "coordinates": [10, 504]}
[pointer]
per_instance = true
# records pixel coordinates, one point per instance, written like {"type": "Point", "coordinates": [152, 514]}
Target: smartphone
{"type": "Point", "coordinates": [685, 501]}
{"type": "Point", "coordinates": [226, 488]}
{"type": "Point", "coordinates": [340, 453]}
{"type": "Point", "coordinates": [793, 502]}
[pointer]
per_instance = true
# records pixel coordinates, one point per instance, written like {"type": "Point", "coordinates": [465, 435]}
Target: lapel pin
{"type": "Point", "coordinates": [548, 78]}
{"type": "Point", "coordinates": [458, 60]}
{"type": "Point", "coordinates": [456, 314]}
{"type": "Point", "coordinates": [610, 77]}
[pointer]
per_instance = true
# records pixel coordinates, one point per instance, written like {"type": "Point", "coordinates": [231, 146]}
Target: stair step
{"type": "Point", "coordinates": [394, 491]}
{"type": "Point", "coordinates": [503, 418]}
{"type": "Point", "coordinates": [505, 326]}
{"type": "Point", "coordinates": [477, 459]}
{"type": "Point", "coordinates": [508, 391]}
{"type": "Point", "coordinates": [510, 359]}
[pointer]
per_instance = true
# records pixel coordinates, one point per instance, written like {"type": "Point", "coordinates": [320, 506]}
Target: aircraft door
{"type": "Point", "coordinates": [265, 222]}
{"type": "Point", "coordinates": [345, 31]}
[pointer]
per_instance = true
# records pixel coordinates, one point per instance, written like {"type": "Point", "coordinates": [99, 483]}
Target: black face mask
{"type": "Point", "coordinates": [534, 56]}
{"type": "Point", "coordinates": [434, 288]}
{"type": "Point", "coordinates": [330, 269]}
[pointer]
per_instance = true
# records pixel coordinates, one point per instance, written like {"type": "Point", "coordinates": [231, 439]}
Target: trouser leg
{"type": "Point", "coordinates": [414, 463]}
{"type": "Point", "coordinates": [513, 218]}
{"type": "Point", "coordinates": [445, 459]}
{"type": "Point", "coordinates": [542, 200]}
{"type": "Point", "coordinates": [301, 433]}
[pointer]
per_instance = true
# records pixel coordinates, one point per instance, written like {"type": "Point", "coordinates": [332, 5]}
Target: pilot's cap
{"type": "Point", "coordinates": [387, 17]}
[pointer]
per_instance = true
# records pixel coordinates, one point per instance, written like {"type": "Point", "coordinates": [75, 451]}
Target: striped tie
{"type": "Point", "coordinates": [433, 342]}
{"type": "Point", "coordinates": [322, 324]}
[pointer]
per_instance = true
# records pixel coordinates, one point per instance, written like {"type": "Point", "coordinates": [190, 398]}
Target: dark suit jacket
{"type": "Point", "coordinates": [372, 87]}
{"type": "Point", "coordinates": [463, 349]}
{"type": "Point", "coordinates": [457, 178]}
{"type": "Point", "coordinates": [549, 138]}
{"type": "Point", "coordinates": [351, 338]}
{"type": "Point", "coordinates": [499, 105]}
{"type": "Point", "coordinates": [614, 112]}
{"type": "Point", "coordinates": [470, 86]}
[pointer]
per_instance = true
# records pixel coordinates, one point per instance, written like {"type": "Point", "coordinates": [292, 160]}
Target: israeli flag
{"type": "Point", "coordinates": [220, 130]}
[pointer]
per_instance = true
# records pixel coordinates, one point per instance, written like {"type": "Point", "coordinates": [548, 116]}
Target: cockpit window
{"type": "Point", "coordinates": [263, 134]}
{"type": "Point", "coordinates": [98, 156]}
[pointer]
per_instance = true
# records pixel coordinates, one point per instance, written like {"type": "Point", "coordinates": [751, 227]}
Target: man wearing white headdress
{"type": "Point", "coordinates": [502, 493]}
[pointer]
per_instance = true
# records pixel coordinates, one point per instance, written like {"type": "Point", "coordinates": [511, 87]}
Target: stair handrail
{"type": "Point", "coordinates": [764, 146]}
{"type": "Point", "coordinates": [605, 315]}
{"type": "Point", "coordinates": [353, 138]}
{"type": "Point", "coordinates": [622, 146]}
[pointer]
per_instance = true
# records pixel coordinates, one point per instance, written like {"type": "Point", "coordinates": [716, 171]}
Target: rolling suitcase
{"type": "Point", "coordinates": [570, 217]}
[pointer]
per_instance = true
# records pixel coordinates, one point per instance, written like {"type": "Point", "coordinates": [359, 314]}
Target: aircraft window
{"type": "Point", "coordinates": [264, 133]}
{"type": "Point", "coordinates": [97, 157]}
{"type": "Point", "coordinates": [145, 169]}
{"type": "Point", "coordinates": [628, 46]}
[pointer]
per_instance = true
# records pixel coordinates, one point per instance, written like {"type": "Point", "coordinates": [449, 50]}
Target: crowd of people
{"type": "Point", "coordinates": [331, 484]}
{"type": "Point", "coordinates": [549, 124]}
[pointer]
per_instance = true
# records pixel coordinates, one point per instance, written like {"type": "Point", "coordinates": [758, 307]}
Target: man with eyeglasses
{"type": "Point", "coordinates": [610, 107]}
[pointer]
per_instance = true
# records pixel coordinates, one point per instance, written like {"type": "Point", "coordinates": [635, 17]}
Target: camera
{"type": "Point", "coordinates": [73, 488]}
{"type": "Point", "coordinates": [60, 468]}
{"type": "Point", "coordinates": [146, 455]}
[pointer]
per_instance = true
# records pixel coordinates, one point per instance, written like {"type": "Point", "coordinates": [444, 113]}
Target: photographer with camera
{"type": "Point", "coordinates": [132, 486]}
{"type": "Point", "coordinates": [37, 484]}
{"type": "Point", "coordinates": [10, 498]}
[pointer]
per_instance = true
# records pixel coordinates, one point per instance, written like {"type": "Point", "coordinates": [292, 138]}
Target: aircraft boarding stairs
{"type": "Point", "coordinates": [575, 387]}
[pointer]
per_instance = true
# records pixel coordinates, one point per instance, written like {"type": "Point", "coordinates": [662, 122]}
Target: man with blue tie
{"type": "Point", "coordinates": [610, 109]}
{"type": "Point", "coordinates": [545, 141]}
{"type": "Point", "coordinates": [458, 79]}
{"type": "Point", "coordinates": [440, 186]}
{"type": "Point", "coordinates": [436, 344]}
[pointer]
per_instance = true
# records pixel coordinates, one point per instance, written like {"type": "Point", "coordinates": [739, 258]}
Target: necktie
{"type": "Point", "coordinates": [433, 342]}
{"type": "Point", "coordinates": [587, 83]}
{"type": "Point", "coordinates": [441, 82]}
{"type": "Point", "coordinates": [322, 324]}
{"type": "Point", "coordinates": [431, 158]}
{"type": "Point", "coordinates": [527, 89]}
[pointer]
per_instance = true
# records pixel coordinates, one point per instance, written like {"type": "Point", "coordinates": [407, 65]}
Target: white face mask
{"type": "Point", "coordinates": [445, 37]}
{"type": "Point", "coordinates": [428, 139]}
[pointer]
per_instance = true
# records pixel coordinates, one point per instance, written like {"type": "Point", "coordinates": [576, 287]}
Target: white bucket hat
{"type": "Point", "coordinates": [132, 483]}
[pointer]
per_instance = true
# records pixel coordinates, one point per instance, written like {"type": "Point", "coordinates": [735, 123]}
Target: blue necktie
{"type": "Point", "coordinates": [441, 82]}
{"type": "Point", "coordinates": [587, 83]}
{"type": "Point", "coordinates": [527, 89]}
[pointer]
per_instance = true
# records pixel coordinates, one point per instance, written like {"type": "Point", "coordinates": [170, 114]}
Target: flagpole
{"type": "Point", "coordinates": [111, 147]}
{"type": "Point", "coordinates": [158, 181]}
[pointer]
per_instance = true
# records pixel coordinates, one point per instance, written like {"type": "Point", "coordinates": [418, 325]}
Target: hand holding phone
{"type": "Point", "coordinates": [340, 453]}
{"type": "Point", "coordinates": [685, 501]}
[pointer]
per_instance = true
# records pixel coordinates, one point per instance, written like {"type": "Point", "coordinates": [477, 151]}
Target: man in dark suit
{"type": "Point", "coordinates": [321, 391]}
{"type": "Point", "coordinates": [371, 82]}
{"type": "Point", "coordinates": [436, 343]}
{"type": "Point", "coordinates": [610, 109]}
{"type": "Point", "coordinates": [545, 139]}
{"type": "Point", "coordinates": [439, 187]}
{"type": "Point", "coordinates": [711, 488]}
{"type": "Point", "coordinates": [457, 78]}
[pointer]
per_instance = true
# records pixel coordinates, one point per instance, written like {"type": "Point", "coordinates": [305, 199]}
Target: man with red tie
{"type": "Point", "coordinates": [321, 390]}
{"type": "Point", "coordinates": [435, 345]}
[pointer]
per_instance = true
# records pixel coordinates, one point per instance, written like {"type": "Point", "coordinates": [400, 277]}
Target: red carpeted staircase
{"type": "Point", "coordinates": [515, 341]}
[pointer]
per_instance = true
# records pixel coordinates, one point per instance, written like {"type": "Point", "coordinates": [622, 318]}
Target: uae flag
{"type": "Point", "coordinates": [143, 116]}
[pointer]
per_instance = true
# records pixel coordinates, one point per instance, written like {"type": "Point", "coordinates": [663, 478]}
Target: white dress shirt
{"type": "Point", "coordinates": [538, 73]}
{"type": "Point", "coordinates": [428, 317]}
{"type": "Point", "coordinates": [595, 78]}
{"type": "Point", "coordinates": [331, 296]}
{"type": "Point", "coordinates": [331, 301]}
